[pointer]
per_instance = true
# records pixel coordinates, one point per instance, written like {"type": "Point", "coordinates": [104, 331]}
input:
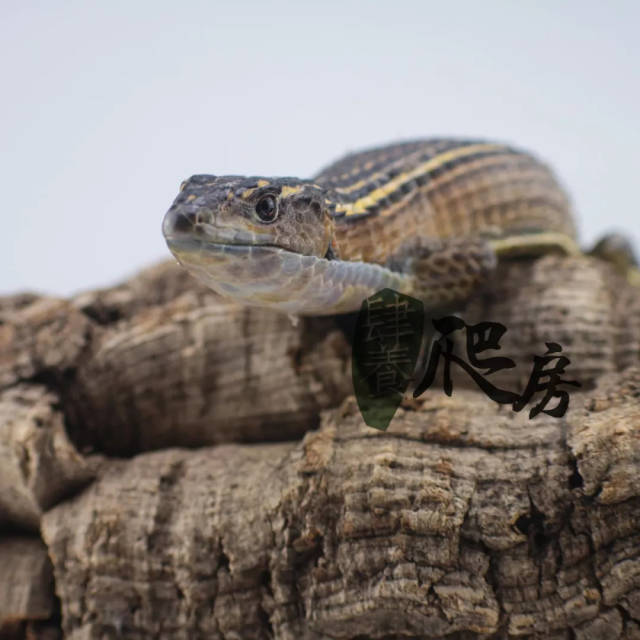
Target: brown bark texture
{"type": "Point", "coordinates": [175, 465]}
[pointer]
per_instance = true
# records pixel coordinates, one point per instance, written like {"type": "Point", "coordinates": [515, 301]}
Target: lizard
{"type": "Point", "coordinates": [428, 218]}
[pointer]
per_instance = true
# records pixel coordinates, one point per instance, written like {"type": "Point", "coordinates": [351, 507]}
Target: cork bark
{"type": "Point", "coordinates": [197, 469]}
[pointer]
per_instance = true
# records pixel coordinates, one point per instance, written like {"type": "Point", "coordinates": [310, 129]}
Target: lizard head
{"type": "Point", "coordinates": [247, 237]}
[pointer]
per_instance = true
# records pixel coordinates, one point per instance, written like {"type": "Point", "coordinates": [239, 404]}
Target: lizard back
{"type": "Point", "coordinates": [439, 188]}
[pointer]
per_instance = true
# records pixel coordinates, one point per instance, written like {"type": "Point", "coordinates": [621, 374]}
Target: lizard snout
{"type": "Point", "coordinates": [180, 220]}
{"type": "Point", "coordinates": [177, 222]}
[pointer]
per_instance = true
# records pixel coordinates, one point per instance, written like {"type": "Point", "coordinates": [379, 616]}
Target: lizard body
{"type": "Point", "coordinates": [428, 218]}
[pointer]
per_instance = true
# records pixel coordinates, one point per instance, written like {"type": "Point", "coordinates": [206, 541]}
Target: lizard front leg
{"type": "Point", "coordinates": [447, 271]}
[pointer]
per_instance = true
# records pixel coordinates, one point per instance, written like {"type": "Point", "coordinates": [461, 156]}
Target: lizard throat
{"type": "Point", "coordinates": [274, 277]}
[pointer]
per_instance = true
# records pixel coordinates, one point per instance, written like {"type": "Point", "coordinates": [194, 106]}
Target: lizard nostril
{"type": "Point", "coordinates": [176, 222]}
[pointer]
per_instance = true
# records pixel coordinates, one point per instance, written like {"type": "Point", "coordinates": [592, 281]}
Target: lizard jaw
{"type": "Point", "coordinates": [290, 282]}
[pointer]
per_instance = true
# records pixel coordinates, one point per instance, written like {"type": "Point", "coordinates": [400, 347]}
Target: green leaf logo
{"type": "Point", "coordinates": [386, 344]}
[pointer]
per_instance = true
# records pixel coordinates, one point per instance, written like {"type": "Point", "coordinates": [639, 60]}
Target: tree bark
{"type": "Point", "coordinates": [288, 517]}
{"type": "Point", "coordinates": [26, 588]}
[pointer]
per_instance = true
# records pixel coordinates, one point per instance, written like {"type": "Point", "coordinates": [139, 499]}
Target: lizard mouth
{"type": "Point", "coordinates": [192, 245]}
{"type": "Point", "coordinates": [235, 264]}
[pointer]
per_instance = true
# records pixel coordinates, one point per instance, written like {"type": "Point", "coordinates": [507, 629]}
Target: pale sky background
{"type": "Point", "coordinates": [106, 107]}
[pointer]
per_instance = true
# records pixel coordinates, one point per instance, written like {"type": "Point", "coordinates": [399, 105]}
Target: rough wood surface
{"type": "Point", "coordinates": [200, 371]}
{"type": "Point", "coordinates": [38, 464]}
{"type": "Point", "coordinates": [26, 589]}
{"type": "Point", "coordinates": [161, 361]}
{"type": "Point", "coordinates": [464, 520]}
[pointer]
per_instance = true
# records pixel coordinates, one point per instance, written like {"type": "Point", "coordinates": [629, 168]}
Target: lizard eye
{"type": "Point", "coordinates": [267, 209]}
